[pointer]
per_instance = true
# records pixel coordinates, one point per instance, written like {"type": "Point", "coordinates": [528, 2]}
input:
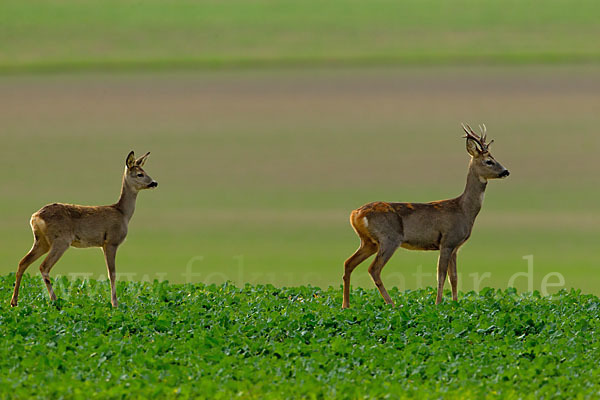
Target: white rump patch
{"type": "Point", "coordinates": [365, 221]}
{"type": "Point", "coordinates": [37, 222]}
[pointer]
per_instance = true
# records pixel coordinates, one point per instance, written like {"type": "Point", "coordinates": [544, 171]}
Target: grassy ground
{"type": "Point", "coordinates": [197, 341]}
{"type": "Point", "coordinates": [259, 169]}
{"type": "Point", "coordinates": [98, 34]}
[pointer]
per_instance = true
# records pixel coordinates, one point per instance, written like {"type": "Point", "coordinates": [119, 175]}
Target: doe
{"type": "Point", "coordinates": [57, 226]}
{"type": "Point", "coordinates": [440, 225]}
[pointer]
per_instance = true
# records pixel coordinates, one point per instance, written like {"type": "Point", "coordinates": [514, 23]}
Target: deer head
{"type": "Point", "coordinates": [483, 164]}
{"type": "Point", "coordinates": [135, 176]}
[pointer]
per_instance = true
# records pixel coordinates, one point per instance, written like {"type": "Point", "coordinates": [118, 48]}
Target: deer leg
{"type": "Point", "coordinates": [383, 256]}
{"type": "Point", "coordinates": [365, 250]}
{"type": "Point", "coordinates": [40, 247]}
{"type": "Point", "coordinates": [56, 251]}
{"type": "Point", "coordinates": [110, 252]}
{"type": "Point", "coordinates": [442, 270]}
{"type": "Point", "coordinates": [453, 276]}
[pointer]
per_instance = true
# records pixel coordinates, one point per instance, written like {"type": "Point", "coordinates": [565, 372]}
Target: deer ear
{"type": "Point", "coordinates": [472, 148]}
{"type": "Point", "coordinates": [130, 161]}
{"type": "Point", "coordinates": [142, 160]}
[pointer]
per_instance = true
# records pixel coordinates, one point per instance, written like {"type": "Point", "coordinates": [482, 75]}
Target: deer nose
{"type": "Point", "coordinates": [153, 184]}
{"type": "Point", "coordinates": [504, 173]}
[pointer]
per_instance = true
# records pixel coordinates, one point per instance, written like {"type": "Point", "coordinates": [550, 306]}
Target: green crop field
{"type": "Point", "coordinates": [263, 342]}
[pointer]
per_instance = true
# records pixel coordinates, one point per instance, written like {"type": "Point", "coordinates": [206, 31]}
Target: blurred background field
{"type": "Point", "coordinates": [68, 34]}
{"type": "Point", "coordinates": [268, 122]}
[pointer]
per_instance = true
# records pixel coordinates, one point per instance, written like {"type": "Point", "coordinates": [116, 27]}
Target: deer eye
{"type": "Point", "coordinates": [489, 162]}
{"type": "Point", "coordinates": [140, 175]}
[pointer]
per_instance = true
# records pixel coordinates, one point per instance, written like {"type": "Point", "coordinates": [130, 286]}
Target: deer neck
{"type": "Point", "coordinates": [472, 198]}
{"type": "Point", "coordinates": [126, 203]}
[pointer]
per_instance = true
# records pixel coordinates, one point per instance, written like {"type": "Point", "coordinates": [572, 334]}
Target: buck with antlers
{"type": "Point", "coordinates": [58, 226]}
{"type": "Point", "coordinates": [440, 225]}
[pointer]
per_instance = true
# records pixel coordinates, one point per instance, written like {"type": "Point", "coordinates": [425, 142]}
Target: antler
{"type": "Point", "coordinates": [480, 140]}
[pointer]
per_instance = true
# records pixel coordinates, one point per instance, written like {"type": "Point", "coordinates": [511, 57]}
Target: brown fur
{"type": "Point", "coordinates": [443, 225]}
{"type": "Point", "coordinates": [58, 226]}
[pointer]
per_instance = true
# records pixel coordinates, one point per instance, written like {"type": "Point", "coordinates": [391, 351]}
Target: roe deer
{"type": "Point", "coordinates": [440, 225]}
{"type": "Point", "coordinates": [58, 226]}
